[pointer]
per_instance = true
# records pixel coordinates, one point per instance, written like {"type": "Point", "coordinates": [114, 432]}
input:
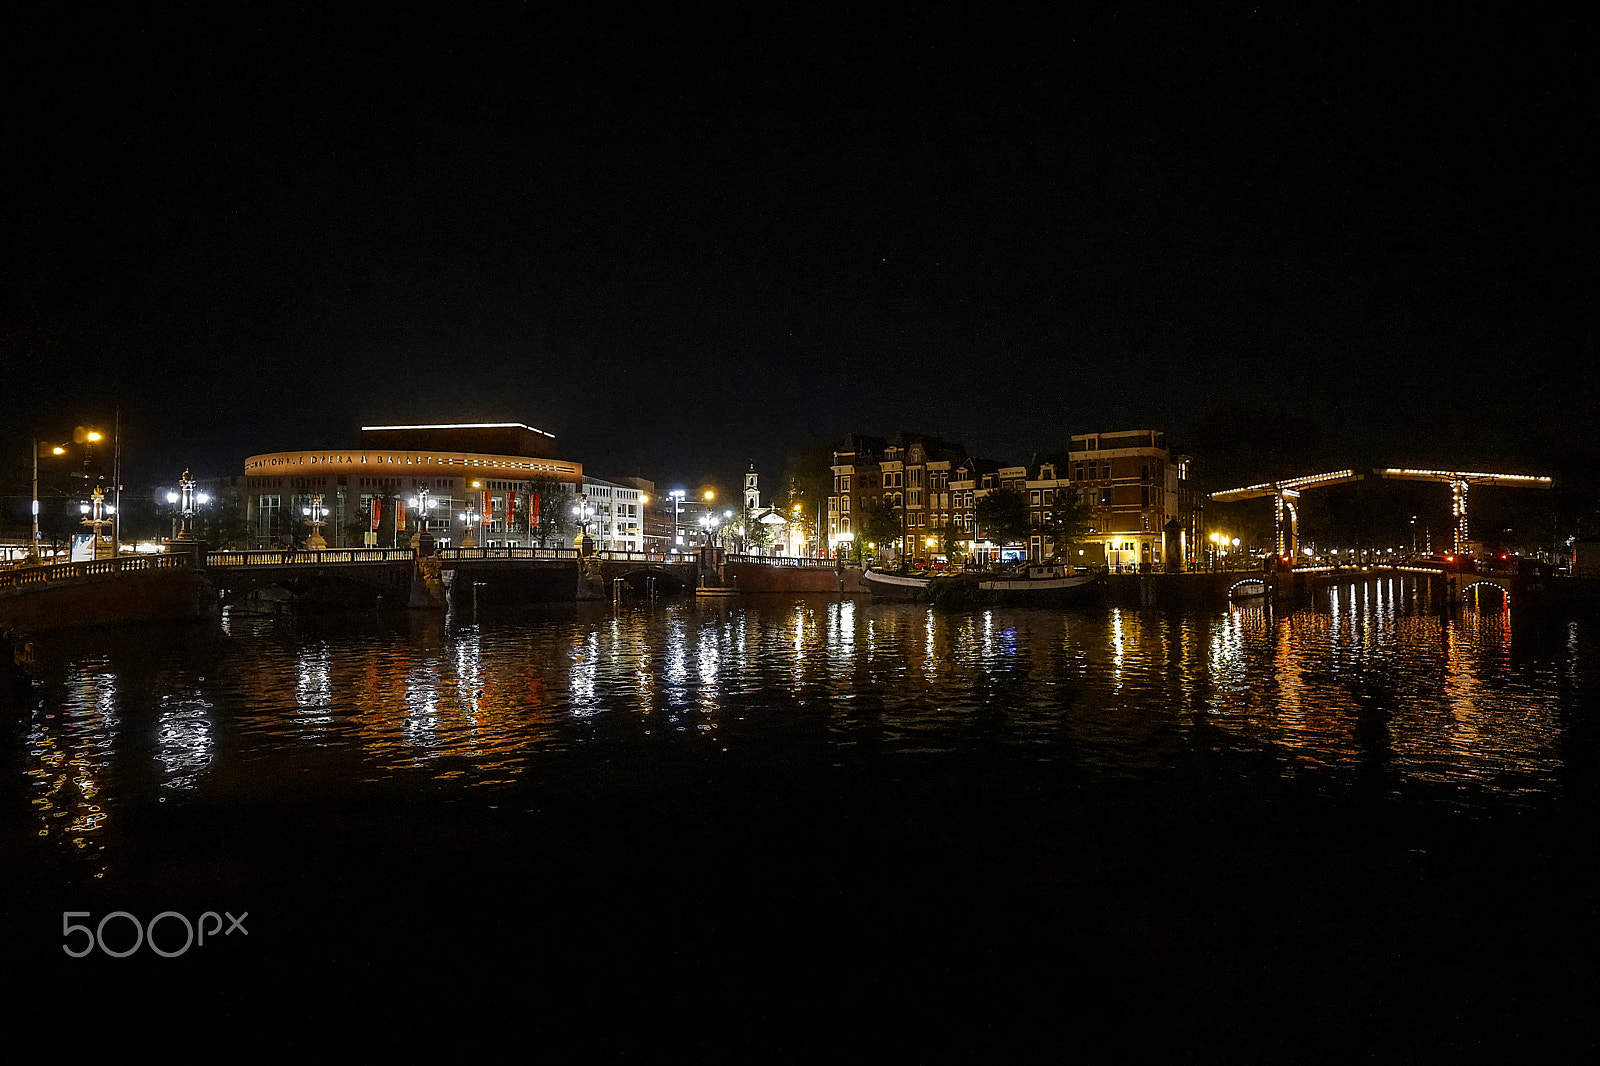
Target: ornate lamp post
{"type": "Point", "coordinates": [96, 514]}
{"type": "Point", "coordinates": [186, 499]}
{"type": "Point", "coordinates": [423, 505]}
{"type": "Point", "coordinates": [583, 511]}
{"type": "Point", "coordinates": [317, 513]}
{"type": "Point", "coordinates": [468, 520]}
{"type": "Point", "coordinates": [711, 522]}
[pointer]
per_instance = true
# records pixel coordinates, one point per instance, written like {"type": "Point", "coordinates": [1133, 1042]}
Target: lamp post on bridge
{"type": "Point", "coordinates": [187, 499]}
{"type": "Point", "coordinates": [95, 514]}
{"type": "Point", "coordinates": [583, 510]}
{"type": "Point", "coordinates": [317, 513]}
{"type": "Point", "coordinates": [423, 503]}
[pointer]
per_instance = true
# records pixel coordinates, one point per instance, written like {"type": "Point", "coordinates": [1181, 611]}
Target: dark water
{"type": "Point", "coordinates": [810, 827]}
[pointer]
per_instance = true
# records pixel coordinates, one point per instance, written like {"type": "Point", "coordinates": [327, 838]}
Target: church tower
{"type": "Point", "coordinates": [752, 494]}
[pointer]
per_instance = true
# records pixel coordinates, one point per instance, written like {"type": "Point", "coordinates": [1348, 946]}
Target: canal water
{"type": "Point", "coordinates": [789, 827]}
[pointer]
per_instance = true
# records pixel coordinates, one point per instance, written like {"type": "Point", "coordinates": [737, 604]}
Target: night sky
{"type": "Point", "coordinates": [692, 238]}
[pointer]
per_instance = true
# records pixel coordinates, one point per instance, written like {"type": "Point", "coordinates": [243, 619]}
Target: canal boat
{"type": "Point", "coordinates": [1037, 584]}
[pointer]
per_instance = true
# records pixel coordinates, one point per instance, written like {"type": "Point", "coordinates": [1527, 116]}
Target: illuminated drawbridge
{"type": "Point", "coordinates": [1286, 494]}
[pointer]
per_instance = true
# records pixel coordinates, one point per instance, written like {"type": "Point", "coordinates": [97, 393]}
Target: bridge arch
{"type": "Point", "coordinates": [638, 579]}
{"type": "Point", "coordinates": [1250, 586]}
{"type": "Point", "coordinates": [1473, 590]}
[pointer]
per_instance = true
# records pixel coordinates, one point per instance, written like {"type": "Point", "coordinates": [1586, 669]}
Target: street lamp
{"type": "Point", "coordinates": [708, 523]}
{"type": "Point", "coordinates": [95, 513]}
{"type": "Point", "coordinates": [677, 505]}
{"type": "Point", "coordinates": [186, 497]}
{"type": "Point", "coordinates": [55, 449]}
{"type": "Point", "coordinates": [92, 436]}
{"type": "Point", "coordinates": [583, 511]}
{"type": "Point", "coordinates": [316, 512]}
{"type": "Point", "coordinates": [423, 503]}
{"type": "Point", "coordinates": [468, 519]}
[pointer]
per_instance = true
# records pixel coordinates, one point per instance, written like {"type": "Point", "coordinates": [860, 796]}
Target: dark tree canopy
{"type": "Point", "coordinates": [1003, 516]}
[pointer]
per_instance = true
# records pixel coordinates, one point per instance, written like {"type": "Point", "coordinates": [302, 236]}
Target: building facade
{"type": "Point", "coordinates": [921, 495]}
{"type": "Point", "coordinates": [402, 480]}
{"type": "Point", "coordinates": [1144, 509]}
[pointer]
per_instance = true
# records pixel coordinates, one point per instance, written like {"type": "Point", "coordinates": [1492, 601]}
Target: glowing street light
{"type": "Point", "coordinates": [96, 514]}
{"type": "Point", "coordinates": [583, 511]}
{"type": "Point", "coordinates": [423, 503]}
{"type": "Point", "coordinates": [39, 449]}
{"type": "Point", "coordinates": [709, 523]}
{"type": "Point", "coordinates": [187, 500]}
{"type": "Point", "coordinates": [317, 513]}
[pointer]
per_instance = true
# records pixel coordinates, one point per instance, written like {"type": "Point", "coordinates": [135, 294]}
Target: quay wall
{"type": "Point", "coordinates": [180, 594]}
{"type": "Point", "coordinates": [1201, 589]}
{"type": "Point", "coordinates": [759, 577]}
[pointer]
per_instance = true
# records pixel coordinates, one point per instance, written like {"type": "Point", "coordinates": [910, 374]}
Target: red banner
{"type": "Point", "coordinates": [533, 513]}
{"type": "Point", "coordinates": [484, 512]}
{"type": "Point", "coordinates": [511, 510]}
{"type": "Point", "coordinates": [400, 514]}
{"type": "Point", "coordinates": [377, 510]}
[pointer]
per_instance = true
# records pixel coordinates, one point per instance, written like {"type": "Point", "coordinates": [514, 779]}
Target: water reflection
{"type": "Point", "coordinates": [1364, 691]}
{"type": "Point", "coordinates": [184, 742]}
{"type": "Point", "coordinates": [71, 747]}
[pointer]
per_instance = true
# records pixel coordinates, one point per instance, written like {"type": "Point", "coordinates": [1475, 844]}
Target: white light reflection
{"type": "Point", "coordinates": [583, 675]}
{"type": "Point", "coordinates": [313, 690]}
{"type": "Point", "coordinates": [421, 727]}
{"type": "Point", "coordinates": [1118, 648]}
{"type": "Point", "coordinates": [469, 673]}
{"type": "Point", "coordinates": [842, 634]}
{"type": "Point", "coordinates": [708, 656]}
{"type": "Point", "coordinates": [184, 744]}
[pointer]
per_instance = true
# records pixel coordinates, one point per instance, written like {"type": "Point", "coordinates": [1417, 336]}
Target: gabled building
{"type": "Point", "coordinates": [1144, 508]}
{"type": "Point", "coordinates": [857, 483]}
{"type": "Point", "coordinates": [971, 480]}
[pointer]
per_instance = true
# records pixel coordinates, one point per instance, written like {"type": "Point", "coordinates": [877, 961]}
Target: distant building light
{"type": "Point", "coordinates": [467, 425]}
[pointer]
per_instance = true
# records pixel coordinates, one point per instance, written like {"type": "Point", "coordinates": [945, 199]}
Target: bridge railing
{"type": "Point", "coordinates": [308, 557]}
{"type": "Point", "coordinates": [25, 576]}
{"type": "Point", "coordinates": [801, 562]}
{"type": "Point", "coordinates": [681, 558]}
{"type": "Point", "coordinates": [458, 554]}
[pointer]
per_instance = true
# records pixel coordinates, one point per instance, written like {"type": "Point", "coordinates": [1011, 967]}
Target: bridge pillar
{"type": "Point", "coordinates": [1288, 534]}
{"type": "Point", "coordinates": [1458, 508]}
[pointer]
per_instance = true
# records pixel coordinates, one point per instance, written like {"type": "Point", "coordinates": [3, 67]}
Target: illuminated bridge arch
{"type": "Point", "coordinates": [1503, 587]}
{"type": "Point", "coordinates": [1251, 585]}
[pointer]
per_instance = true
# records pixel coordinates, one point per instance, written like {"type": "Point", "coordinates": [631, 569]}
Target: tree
{"type": "Point", "coordinates": [757, 535]}
{"type": "Point", "coordinates": [808, 474]}
{"type": "Point", "coordinates": [876, 525]}
{"type": "Point", "coordinates": [553, 522]}
{"type": "Point", "coordinates": [1003, 516]}
{"type": "Point", "coordinates": [1069, 519]}
{"type": "Point", "coordinates": [751, 533]}
{"type": "Point", "coordinates": [949, 542]}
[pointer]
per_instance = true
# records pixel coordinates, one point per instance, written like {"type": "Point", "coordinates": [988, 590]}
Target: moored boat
{"type": "Point", "coordinates": [1036, 585]}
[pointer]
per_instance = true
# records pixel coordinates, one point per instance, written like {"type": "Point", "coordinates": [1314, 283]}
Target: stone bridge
{"type": "Point", "coordinates": [190, 584]}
